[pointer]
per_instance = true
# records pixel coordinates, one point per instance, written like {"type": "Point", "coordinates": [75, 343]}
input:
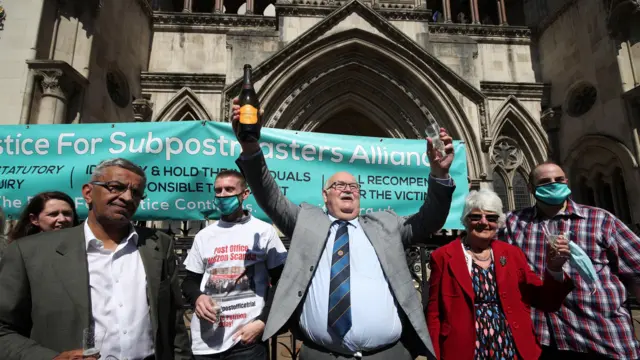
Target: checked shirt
{"type": "Point", "coordinates": [587, 321]}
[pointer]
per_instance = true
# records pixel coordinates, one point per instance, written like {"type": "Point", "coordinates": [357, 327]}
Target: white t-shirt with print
{"type": "Point", "coordinates": [234, 258]}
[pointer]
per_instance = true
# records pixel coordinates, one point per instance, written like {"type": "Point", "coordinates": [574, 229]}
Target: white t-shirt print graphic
{"type": "Point", "coordinates": [234, 259]}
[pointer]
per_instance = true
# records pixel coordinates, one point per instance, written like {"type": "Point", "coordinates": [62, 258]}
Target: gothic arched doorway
{"type": "Point", "coordinates": [355, 72]}
{"type": "Point", "coordinates": [350, 122]}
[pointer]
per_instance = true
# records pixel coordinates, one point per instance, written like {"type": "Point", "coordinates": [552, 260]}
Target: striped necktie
{"type": "Point", "coordinates": [339, 319]}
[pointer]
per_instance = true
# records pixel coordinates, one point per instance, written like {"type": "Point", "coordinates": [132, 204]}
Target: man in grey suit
{"type": "Point", "coordinates": [104, 274]}
{"type": "Point", "coordinates": [346, 287]}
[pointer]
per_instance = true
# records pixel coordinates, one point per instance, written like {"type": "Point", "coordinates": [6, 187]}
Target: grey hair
{"type": "Point", "coordinates": [119, 162]}
{"type": "Point", "coordinates": [327, 183]}
{"type": "Point", "coordinates": [485, 200]}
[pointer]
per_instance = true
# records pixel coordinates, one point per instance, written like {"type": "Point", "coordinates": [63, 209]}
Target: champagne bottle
{"type": "Point", "coordinates": [249, 124]}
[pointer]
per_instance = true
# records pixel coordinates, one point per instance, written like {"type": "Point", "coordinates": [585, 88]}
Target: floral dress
{"type": "Point", "coordinates": [493, 335]}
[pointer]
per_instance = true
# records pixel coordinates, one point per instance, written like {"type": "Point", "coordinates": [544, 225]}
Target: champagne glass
{"type": "Point", "coordinates": [433, 132]}
{"type": "Point", "coordinates": [92, 339]}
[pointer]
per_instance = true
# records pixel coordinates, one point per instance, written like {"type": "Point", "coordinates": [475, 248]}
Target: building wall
{"type": "Point", "coordinates": [121, 48]}
{"type": "Point", "coordinates": [17, 44]}
{"type": "Point", "coordinates": [575, 49]}
{"type": "Point", "coordinates": [568, 57]}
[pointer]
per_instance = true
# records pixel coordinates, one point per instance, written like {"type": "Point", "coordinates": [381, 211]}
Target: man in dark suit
{"type": "Point", "coordinates": [103, 275]}
{"type": "Point", "coordinates": [346, 286]}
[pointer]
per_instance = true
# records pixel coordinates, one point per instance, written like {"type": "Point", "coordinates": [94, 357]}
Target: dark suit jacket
{"type": "Point", "coordinates": [308, 225]}
{"type": "Point", "coordinates": [45, 298]}
{"type": "Point", "coordinates": [450, 311]}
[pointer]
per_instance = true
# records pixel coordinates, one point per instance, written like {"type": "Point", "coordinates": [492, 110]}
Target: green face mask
{"type": "Point", "coordinates": [227, 204]}
{"type": "Point", "coordinates": [553, 193]}
{"type": "Point", "coordinates": [581, 262]}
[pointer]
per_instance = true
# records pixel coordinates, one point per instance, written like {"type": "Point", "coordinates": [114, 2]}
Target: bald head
{"type": "Point", "coordinates": [341, 196]}
{"type": "Point", "coordinates": [548, 184]}
{"type": "Point", "coordinates": [545, 173]}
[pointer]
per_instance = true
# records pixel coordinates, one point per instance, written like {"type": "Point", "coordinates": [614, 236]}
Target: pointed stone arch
{"type": "Point", "coordinates": [595, 160]}
{"type": "Point", "coordinates": [514, 120]}
{"type": "Point", "coordinates": [409, 88]}
{"type": "Point", "coordinates": [184, 106]}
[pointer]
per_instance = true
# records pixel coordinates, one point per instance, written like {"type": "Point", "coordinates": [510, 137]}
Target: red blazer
{"type": "Point", "coordinates": [450, 311]}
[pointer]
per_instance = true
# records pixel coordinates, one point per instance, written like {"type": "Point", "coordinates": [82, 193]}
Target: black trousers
{"type": "Point", "coordinates": [552, 353]}
{"type": "Point", "coordinates": [255, 351]}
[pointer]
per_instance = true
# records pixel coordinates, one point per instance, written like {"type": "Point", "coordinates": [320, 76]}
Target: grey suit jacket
{"type": "Point", "coordinates": [45, 300]}
{"type": "Point", "coordinates": [307, 226]}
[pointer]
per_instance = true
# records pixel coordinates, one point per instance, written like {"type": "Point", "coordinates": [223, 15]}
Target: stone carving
{"type": "Point", "coordinates": [399, 43]}
{"type": "Point", "coordinates": [550, 119]}
{"type": "Point", "coordinates": [57, 78]}
{"type": "Point", "coordinates": [177, 21]}
{"type": "Point", "coordinates": [506, 153]}
{"type": "Point", "coordinates": [51, 83]}
{"type": "Point", "coordinates": [508, 32]}
{"type": "Point", "coordinates": [337, 90]}
{"type": "Point", "coordinates": [118, 88]}
{"type": "Point", "coordinates": [142, 108]}
{"type": "Point", "coordinates": [324, 9]}
{"type": "Point", "coordinates": [499, 89]}
{"type": "Point", "coordinates": [581, 99]}
{"type": "Point", "coordinates": [176, 81]}
{"type": "Point", "coordinates": [484, 127]}
{"type": "Point", "coordinates": [390, 79]}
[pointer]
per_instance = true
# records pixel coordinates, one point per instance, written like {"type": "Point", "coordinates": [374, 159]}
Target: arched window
{"type": "Point", "coordinates": [585, 193]}
{"type": "Point", "coordinates": [598, 180]}
{"type": "Point", "coordinates": [500, 187]}
{"type": "Point", "coordinates": [622, 202]}
{"type": "Point", "coordinates": [509, 181]}
{"type": "Point", "coordinates": [184, 106]}
{"type": "Point", "coordinates": [521, 195]}
{"type": "Point", "coordinates": [605, 198]}
{"type": "Point", "coordinates": [185, 114]}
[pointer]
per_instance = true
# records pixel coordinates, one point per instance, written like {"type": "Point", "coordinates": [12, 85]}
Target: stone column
{"type": "Point", "coordinates": [142, 109]}
{"type": "Point", "coordinates": [502, 12]}
{"type": "Point", "coordinates": [217, 7]}
{"type": "Point", "coordinates": [249, 7]}
{"type": "Point", "coordinates": [188, 6]}
{"type": "Point", "coordinates": [446, 9]}
{"type": "Point", "coordinates": [60, 84]}
{"type": "Point", "coordinates": [475, 16]}
{"type": "Point", "coordinates": [550, 119]}
{"type": "Point", "coordinates": [53, 104]}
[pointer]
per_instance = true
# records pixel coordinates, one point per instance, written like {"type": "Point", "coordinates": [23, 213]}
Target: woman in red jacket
{"type": "Point", "coordinates": [481, 289]}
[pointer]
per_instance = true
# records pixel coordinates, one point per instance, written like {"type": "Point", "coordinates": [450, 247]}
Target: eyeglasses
{"type": "Point", "coordinates": [342, 186]}
{"type": "Point", "coordinates": [492, 218]}
{"type": "Point", "coordinates": [118, 188]}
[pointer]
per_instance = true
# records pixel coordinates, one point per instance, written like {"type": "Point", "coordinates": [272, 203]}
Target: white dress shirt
{"type": "Point", "coordinates": [374, 313]}
{"type": "Point", "coordinates": [118, 285]}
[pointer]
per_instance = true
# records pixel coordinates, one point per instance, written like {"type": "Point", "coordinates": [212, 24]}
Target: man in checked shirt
{"type": "Point", "coordinates": [590, 325]}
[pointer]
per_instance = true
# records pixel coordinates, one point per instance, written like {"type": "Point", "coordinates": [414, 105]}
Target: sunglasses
{"type": "Point", "coordinates": [492, 218]}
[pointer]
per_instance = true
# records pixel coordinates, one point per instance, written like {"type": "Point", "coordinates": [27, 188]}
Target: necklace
{"type": "Point", "coordinates": [479, 258]}
{"type": "Point", "coordinates": [474, 255]}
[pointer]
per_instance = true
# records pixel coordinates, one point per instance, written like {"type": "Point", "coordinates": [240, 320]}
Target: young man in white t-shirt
{"type": "Point", "coordinates": [229, 269]}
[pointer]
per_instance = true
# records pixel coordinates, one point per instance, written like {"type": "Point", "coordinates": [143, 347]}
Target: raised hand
{"type": "Point", "coordinates": [247, 147]}
{"type": "Point", "coordinates": [440, 164]}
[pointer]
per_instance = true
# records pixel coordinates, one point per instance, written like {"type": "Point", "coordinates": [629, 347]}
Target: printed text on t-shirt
{"type": "Point", "coordinates": [231, 252]}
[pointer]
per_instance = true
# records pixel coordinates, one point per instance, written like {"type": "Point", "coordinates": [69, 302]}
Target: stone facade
{"type": "Point", "coordinates": [519, 82]}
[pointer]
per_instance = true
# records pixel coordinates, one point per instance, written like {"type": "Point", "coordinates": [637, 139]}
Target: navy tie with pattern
{"type": "Point", "coordinates": [339, 319]}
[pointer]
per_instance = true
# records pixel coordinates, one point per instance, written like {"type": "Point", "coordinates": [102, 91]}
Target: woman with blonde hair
{"type": "Point", "coordinates": [481, 289]}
